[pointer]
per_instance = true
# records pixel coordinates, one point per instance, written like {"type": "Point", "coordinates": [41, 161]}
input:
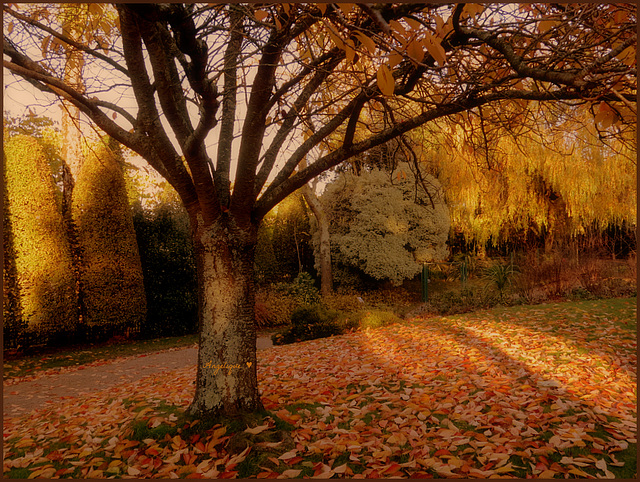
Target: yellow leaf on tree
{"type": "Point", "coordinates": [605, 119]}
{"type": "Point", "coordinates": [414, 50]}
{"type": "Point", "coordinates": [346, 8]}
{"type": "Point", "coordinates": [260, 15]}
{"type": "Point", "coordinates": [349, 50]}
{"type": "Point", "coordinates": [398, 27]}
{"type": "Point", "coordinates": [394, 59]}
{"type": "Point", "coordinates": [413, 23]}
{"type": "Point", "coordinates": [628, 56]}
{"type": "Point", "coordinates": [386, 83]}
{"type": "Point", "coordinates": [435, 49]}
{"type": "Point", "coordinates": [473, 9]}
{"type": "Point", "coordinates": [45, 45]}
{"type": "Point", "coordinates": [368, 42]}
{"type": "Point", "coordinates": [337, 40]}
{"type": "Point", "coordinates": [545, 25]}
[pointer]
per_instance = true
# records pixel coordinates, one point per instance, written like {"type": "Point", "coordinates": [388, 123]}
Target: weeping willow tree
{"type": "Point", "coordinates": [565, 178]}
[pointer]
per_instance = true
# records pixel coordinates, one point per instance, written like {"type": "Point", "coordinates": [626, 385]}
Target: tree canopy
{"type": "Point", "coordinates": [312, 69]}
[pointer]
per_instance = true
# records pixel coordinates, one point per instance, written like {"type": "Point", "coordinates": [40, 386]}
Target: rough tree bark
{"type": "Point", "coordinates": [227, 380]}
{"type": "Point", "coordinates": [324, 252]}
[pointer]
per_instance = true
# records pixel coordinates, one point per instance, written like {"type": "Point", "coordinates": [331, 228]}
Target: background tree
{"type": "Point", "coordinates": [43, 261]}
{"type": "Point", "coordinates": [384, 224]}
{"type": "Point", "coordinates": [284, 242]}
{"type": "Point", "coordinates": [168, 265]}
{"type": "Point", "coordinates": [552, 185]}
{"type": "Point", "coordinates": [111, 274]}
{"type": "Point", "coordinates": [303, 72]}
{"type": "Point", "coordinates": [323, 244]}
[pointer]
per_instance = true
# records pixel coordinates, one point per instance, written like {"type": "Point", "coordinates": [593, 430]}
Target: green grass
{"type": "Point", "coordinates": [75, 356]}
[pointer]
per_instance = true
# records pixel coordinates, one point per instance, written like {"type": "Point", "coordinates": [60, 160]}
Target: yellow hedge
{"type": "Point", "coordinates": [43, 261]}
{"type": "Point", "coordinates": [111, 273]}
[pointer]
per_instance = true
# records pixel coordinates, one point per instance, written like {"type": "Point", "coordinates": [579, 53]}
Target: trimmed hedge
{"type": "Point", "coordinates": [43, 260]}
{"type": "Point", "coordinates": [111, 277]}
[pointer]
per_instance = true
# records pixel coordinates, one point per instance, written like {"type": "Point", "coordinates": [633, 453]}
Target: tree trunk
{"type": "Point", "coordinates": [326, 277]}
{"type": "Point", "coordinates": [226, 381]}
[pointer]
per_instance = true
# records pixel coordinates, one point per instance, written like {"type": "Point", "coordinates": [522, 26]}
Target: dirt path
{"type": "Point", "coordinates": [26, 396]}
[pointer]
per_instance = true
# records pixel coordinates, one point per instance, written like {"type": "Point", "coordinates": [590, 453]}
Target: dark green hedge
{"type": "Point", "coordinates": [169, 268]}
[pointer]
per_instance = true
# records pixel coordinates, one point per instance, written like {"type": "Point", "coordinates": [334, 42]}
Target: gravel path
{"type": "Point", "coordinates": [26, 396]}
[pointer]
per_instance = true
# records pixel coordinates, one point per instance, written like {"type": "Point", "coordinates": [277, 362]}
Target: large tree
{"type": "Point", "coordinates": [229, 99]}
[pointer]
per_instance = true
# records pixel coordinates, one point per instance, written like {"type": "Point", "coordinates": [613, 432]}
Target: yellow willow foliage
{"type": "Point", "coordinates": [562, 181]}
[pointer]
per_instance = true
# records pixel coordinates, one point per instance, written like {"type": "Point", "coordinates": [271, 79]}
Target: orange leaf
{"type": "Point", "coordinates": [545, 25]}
{"type": "Point", "coordinates": [435, 49]}
{"type": "Point", "coordinates": [368, 42]}
{"type": "Point", "coordinates": [260, 15]}
{"type": "Point", "coordinates": [414, 50]}
{"type": "Point", "coordinates": [386, 82]}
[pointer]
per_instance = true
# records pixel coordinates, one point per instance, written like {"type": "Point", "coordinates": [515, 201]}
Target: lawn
{"type": "Point", "coordinates": [545, 391]}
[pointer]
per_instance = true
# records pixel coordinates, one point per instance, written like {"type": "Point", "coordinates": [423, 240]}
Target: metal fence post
{"type": "Point", "coordinates": [425, 283]}
{"type": "Point", "coordinates": [464, 272]}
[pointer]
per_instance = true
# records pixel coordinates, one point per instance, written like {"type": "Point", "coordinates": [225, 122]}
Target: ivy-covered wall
{"type": "Point", "coordinates": [43, 261]}
{"type": "Point", "coordinates": [111, 274]}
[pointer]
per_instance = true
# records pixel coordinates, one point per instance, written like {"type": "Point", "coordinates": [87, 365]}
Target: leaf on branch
{"type": "Point", "coordinates": [394, 59]}
{"type": "Point", "coordinates": [45, 46]}
{"type": "Point", "coordinates": [605, 116]}
{"type": "Point", "coordinates": [441, 30]}
{"type": "Point", "coordinates": [398, 27]}
{"type": "Point", "coordinates": [349, 49]}
{"type": "Point", "coordinates": [336, 39]}
{"type": "Point", "coordinates": [386, 82]}
{"type": "Point", "coordinates": [322, 7]}
{"type": "Point", "coordinates": [260, 15]}
{"type": "Point", "coordinates": [472, 9]}
{"type": "Point", "coordinates": [545, 25]}
{"type": "Point", "coordinates": [628, 56]}
{"type": "Point", "coordinates": [414, 50]}
{"type": "Point", "coordinates": [96, 9]}
{"type": "Point", "coordinates": [413, 23]}
{"type": "Point", "coordinates": [435, 49]}
{"type": "Point", "coordinates": [368, 42]}
{"type": "Point", "coordinates": [346, 8]}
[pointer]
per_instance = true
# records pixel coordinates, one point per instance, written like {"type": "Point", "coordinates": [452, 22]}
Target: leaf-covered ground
{"type": "Point", "coordinates": [544, 391]}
